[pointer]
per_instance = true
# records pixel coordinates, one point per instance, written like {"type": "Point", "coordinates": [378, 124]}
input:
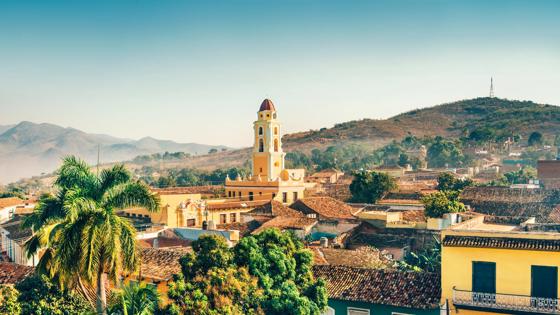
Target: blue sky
{"type": "Point", "coordinates": [196, 71]}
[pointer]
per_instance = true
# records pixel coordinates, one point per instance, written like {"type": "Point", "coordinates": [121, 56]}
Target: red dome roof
{"type": "Point", "coordinates": [267, 105]}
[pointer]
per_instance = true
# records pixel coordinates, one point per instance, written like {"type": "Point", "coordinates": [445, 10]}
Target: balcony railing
{"type": "Point", "coordinates": [508, 302]}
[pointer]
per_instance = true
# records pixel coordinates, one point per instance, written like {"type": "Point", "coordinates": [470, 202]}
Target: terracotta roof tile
{"type": "Point", "coordinates": [501, 242]}
{"type": "Point", "coordinates": [161, 264]}
{"type": "Point", "coordinates": [326, 207]}
{"type": "Point", "coordinates": [364, 257]}
{"type": "Point", "coordinates": [378, 286]}
{"type": "Point", "coordinates": [11, 273]}
{"type": "Point", "coordinates": [274, 208]}
{"type": "Point", "coordinates": [282, 222]}
{"type": "Point", "coordinates": [10, 201]}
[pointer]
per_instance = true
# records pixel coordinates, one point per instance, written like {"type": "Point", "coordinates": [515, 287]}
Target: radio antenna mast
{"type": "Point", "coordinates": [491, 87]}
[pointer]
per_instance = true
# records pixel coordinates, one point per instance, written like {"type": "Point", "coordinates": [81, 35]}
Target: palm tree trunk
{"type": "Point", "coordinates": [101, 295]}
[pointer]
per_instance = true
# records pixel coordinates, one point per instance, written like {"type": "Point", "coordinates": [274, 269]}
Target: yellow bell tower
{"type": "Point", "coordinates": [268, 157]}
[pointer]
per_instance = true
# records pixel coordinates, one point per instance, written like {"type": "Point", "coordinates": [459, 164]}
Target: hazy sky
{"type": "Point", "coordinates": [197, 71]}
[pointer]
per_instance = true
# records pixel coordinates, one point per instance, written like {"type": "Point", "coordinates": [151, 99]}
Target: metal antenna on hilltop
{"type": "Point", "coordinates": [491, 87]}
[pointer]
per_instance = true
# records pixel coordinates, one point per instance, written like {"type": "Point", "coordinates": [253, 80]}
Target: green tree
{"type": "Point", "coordinates": [521, 176]}
{"type": "Point", "coordinates": [39, 295]}
{"type": "Point", "coordinates": [269, 273]}
{"type": "Point", "coordinates": [9, 300]}
{"type": "Point", "coordinates": [443, 153]}
{"type": "Point", "coordinates": [370, 186]}
{"type": "Point", "coordinates": [535, 138]}
{"type": "Point", "coordinates": [428, 259]}
{"type": "Point", "coordinates": [135, 299]}
{"type": "Point", "coordinates": [439, 203]}
{"type": "Point", "coordinates": [79, 229]}
{"type": "Point", "coordinates": [448, 182]}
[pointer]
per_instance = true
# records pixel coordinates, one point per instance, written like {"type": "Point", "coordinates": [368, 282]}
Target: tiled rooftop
{"type": "Point", "coordinates": [161, 264]}
{"type": "Point", "coordinates": [11, 273]}
{"type": "Point", "coordinates": [364, 257]}
{"type": "Point", "coordinates": [274, 208]}
{"type": "Point", "coordinates": [10, 202]}
{"type": "Point", "coordinates": [17, 233]}
{"type": "Point", "coordinates": [283, 222]}
{"type": "Point", "coordinates": [325, 207]}
{"type": "Point", "coordinates": [378, 286]}
{"type": "Point", "coordinates": [502, 242]}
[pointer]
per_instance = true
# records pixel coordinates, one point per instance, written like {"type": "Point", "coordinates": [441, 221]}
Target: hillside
{"type": "Point", "coordinates": [448, 120]}
{"type": "Point", "coordinates": [28, 149]}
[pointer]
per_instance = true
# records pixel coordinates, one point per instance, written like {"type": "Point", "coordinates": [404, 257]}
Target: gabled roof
{"type": "Point", "coordinates": [325, 207]}
{"type": "Point", "coordinates": [282, 222]}
{"type": "Point", "coordinates": [10, 202]}
{"type": "Point", "coordinates": [16, 232]}
{"type": "Point", "coordinates": [377, 286]}
{"type": "Point", "coordinates": [274, 208]}
{"type": "Point", "coordinates": [11, 273]}
{"type": "Point", "coordinates": [161, 264]}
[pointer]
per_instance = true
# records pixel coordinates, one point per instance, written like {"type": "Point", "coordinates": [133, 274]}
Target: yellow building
{"type": "Point", "coordinates": [500, 265]}
{"type": "Point", "coordinates": [269, 179]}
{"type": "Point", "coordinates": [178, 208]}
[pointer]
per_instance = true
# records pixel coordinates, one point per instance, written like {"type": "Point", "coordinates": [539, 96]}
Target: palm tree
{"type": "Point", "coordinates": [79, 230]}
{"type": "Point", "coordinates": [135, 299]}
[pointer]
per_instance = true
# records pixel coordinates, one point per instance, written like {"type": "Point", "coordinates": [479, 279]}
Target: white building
{"type": "Point", "coordinates": [12, 241]}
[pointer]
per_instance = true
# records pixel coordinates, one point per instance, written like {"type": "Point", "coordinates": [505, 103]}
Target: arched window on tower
{"type": "Point", "coordinates": [276, 130]}
{"type": "Point", "coordinates": [260, 131]}
{"type": "Point", "coordinates": [261, 145]}
{"type": "Point", "coordinates": [275, 145]}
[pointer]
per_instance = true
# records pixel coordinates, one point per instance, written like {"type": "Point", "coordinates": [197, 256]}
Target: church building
{"type": "Point", "coordinates": [269, 179]}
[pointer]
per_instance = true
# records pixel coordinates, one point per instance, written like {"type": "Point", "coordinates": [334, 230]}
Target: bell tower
{"type": "Point", "coordinates": [268, 157]}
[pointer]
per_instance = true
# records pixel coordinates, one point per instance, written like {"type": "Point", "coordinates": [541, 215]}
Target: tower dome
{"type": "Point", "coordinates": [267, 105]}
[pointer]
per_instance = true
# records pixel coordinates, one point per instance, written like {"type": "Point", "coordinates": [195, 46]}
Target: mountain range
{"type": "Point", "coordinates": [29, 149]}
{"type": "Point", "coordinates": [503, 117]}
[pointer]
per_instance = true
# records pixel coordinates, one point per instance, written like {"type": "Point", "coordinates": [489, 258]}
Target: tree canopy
{"type": "Point", "coordinates": [448, 182]}
{"type": "Point", "coordinates": [269, 273]}
{"type": "Point", "coordinates": [441, 202]}
{"type": "Point", "coordinates": [369, 186]}
{"type": "Point", "coordinates": [79, 230]}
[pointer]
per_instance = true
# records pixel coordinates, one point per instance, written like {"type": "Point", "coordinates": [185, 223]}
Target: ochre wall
{"type": "Point", "coordinates": [513, 269]}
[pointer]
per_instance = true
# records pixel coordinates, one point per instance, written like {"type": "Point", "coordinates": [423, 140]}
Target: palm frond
{"type": "Point", "coordinates": [114, 176]}
{"type": "Point", "coordinates": [48, 207]}
{"type": "Point", "coordinates": [132, 194]}
{"type": "Point", "coordinates": [75, 172]}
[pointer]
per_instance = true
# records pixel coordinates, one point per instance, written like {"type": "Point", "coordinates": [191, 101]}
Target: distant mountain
{"type": "Point", "coordinates": [4, 128]}
{"type": "Point", "coordinates": [453, 120]}
{"type": "Point", "coordinates": [28, 149]}
{"type": "Point", "coordinates": [504, 117]}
